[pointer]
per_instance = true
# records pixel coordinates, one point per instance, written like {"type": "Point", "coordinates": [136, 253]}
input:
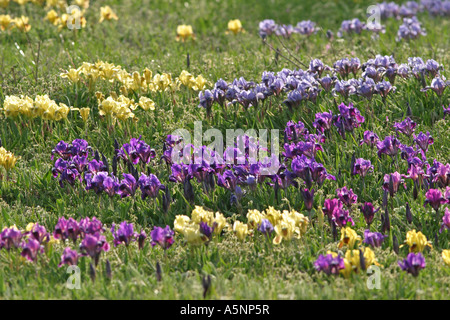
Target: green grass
{"type": "Point", "coordinates": [144, 36]}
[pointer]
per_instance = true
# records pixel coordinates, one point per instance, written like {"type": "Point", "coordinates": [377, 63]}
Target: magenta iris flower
{"type": "Point", "coordinates": [163, 237]}
{"type": "Point", "coordinates": [445, 221]}
{"type": "Point", "coordinates": [368, 212]}
{"type": "Point", "coordinates": [413, 263]}
{"type": "Point", "coordinates": [10, 238]}
{"type": "Point", "coordinates": [69, 257]}
{"type": "Point", "coordinates": [423, 140]}
{"type": "Point", "coordinates": [389, 146]}
{"type": "Point", "coordinates": [31, 249]}
{"type": "Point", "coordinates": [392, 182]}
{"type": "Point", "coordinates": [434, 198]}
{"type": "Point", "coordinates": [93, 245]}
{"type": "Point", "coordinates": [347, 196]}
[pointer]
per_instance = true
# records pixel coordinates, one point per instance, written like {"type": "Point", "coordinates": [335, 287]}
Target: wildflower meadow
{"type": "Point", "coordinates": [243, 150]}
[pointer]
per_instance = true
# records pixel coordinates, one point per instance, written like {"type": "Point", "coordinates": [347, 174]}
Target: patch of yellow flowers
{"type": "Point", "coordinates": [8, 23]}
{"type": "Point", "coordinates": [41, 107]}
{"type": "Point", "coordinates": [287, 224]}
{"type": "Point", "coordinates": [133, 82]}
{"type": "Point", "coordinates": [7, 159]}
{"type": "Point", "coordinates": [190, 227]}
{"type": "Point", "coordinates": [63, 20]}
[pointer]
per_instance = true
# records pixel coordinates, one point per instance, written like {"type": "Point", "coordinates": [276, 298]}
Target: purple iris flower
{"type": "Point", "coordinates": [329, 265]}
{"type": "Point", "coordinates": [150, 186]}
{"type": "Point", "coordinates": [446, 110]}
{"type": "Point", "coordinates": [414, 172]}
{"type": "Point", "coordinates": [265, 227]}
{"type": "Point", "coordinates": [285, 31]}
{"type": "Point", "coordinates": [102, 182]}
{"type": "Point", "coordinates": [141, 239]}
{"type": "Point", "coordinates": [434, 198]}
{"type": "Point", "coordinates": [227, 180]}
{"type": "Point", "coordinates": [62, 149]}
{"type": "Point", "coordinates": [69, 257]}
{"type": "Point", "coordinates": [125, 234]}
{"type": "Point", "coordinates": [306, 28]}
{"type": "Point", "coordinates": [39, 233]}
{"type": "Point", "coordinates": [368, 212]}
{"type": "Point", "coordinates": [206, 100]}
{"type": "Point", "coordinates": [267, 27]}
{"type": "Point", "coordinates": [351, 26]}
{"type": "Point", "coordinates": [294, 131]}
{"type": "Point", "coordinates": [370, 138]}
{"type": "Point", "coordinates": [163, 237]}
{"type": "Point", "coordinates": [317, 66]}
{"type": "Point", "coordinates": [135, 151]}
{"type": "Point", "coordinates": [206, 231]}
{"type": "Point", "coordinates": [127, 186]}
{"type": "Point", "coordinates": [308, 198]}
{"type": "Point", "coordinates": [341, 217]}
{"type": "Point", "coordinates": [331, 205]}
{"type": "Point", "coordinates": [328, 82]}
{"type": "Point", "coordinates": [413, 263]}
{"type": "Point", "coordinates": [347, 196]}
{"type": "Point", "coordinates": [423, 140]}
{"type": "Point", "coordinates": [87, 226]}
{"type": "Point", "coordinates": [93, 245]}
{"type": "Point", "coordinates": [366, 88]}
{"type": "Point", "coordinates": [31, 249]}
{"type": "Point", "coordinates": [67, 229]}
{"type": "Point", "coordinates": [362, 167]}
{"type": "Point", "coordinates": [406, 127]}
{"type": "Point", "coordinates": [392, 182]}
{"type": "Point", "coordinates": [389, 146]}
{"type": "Point", "coordinates": [10, 238]}
{"type": "Point", "coordinates": [345, 88]}
{"type": "Point", "coordinates": [374, 239]}
{"type": "Point", "coordinates": [384, 88]}
{"type": "Point", "coordinates": [445, 221]}
{"type": "Point", "coordinates": [410, 29]}
{"type": "Point", "coordinates": [323, 121]}
{"type": "Point", "coordinates": [348, 119]}
{"type": "Point", "coordinates": [439, 173]}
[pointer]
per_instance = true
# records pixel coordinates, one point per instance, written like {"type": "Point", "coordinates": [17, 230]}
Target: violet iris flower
{"type": "Point", "coordinates": [125, 234]}
{"type": "Point", "coordinates": [445, 221]}
{"type": "Point", "coordinates": [423, 140]}
{"type": "Point", "coordinates": [265, 227]}
{"type": "Point", "coordinates": [10, 238]}
{"type": "Point", "coordinates": [389, 146]}
{"type": "Point", "coordinates": [127, 186]}
{"type": "Point", "coordinates": [69, 257]}
{"type": "Point", "coordinates": [370, 138]}
{"type": "Point", "coordinates": [362, 167]}
{"type": "Point", "coordinates": [163, 237]}
{"type": "Point", "coordinates": [413, 263]}
{"type": "Point", "coordinates": [93, 245]}
{"type": "Point", "coordinates": [150, 186]}
{"type": "Point", "coordinates": [406, 127]}
{"type": "Point", "coordinates": [374, 239]}
{"type": "Point", "coordinates": [329, 265]}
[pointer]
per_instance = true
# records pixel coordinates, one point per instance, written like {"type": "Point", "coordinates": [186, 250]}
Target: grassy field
{"type": "Point", "coordinates": [144, 37]}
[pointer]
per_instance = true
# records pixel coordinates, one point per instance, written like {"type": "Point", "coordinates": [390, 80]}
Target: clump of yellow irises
{"type": "Point", "coordinates": [286, 224]}
{"type": "Point", "coordinates": [7, 159]}
{"type": "Point", "coordinates": [133, 82]}
{"type": "Point", "coordinates": [190, 227]}
{"type": "Point", "coordinates": [8, 23]}
{"type": "Point", "coordinates": [41, 107]}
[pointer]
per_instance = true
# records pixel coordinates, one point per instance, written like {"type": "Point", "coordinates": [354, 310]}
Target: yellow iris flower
{"type": "Point", "coordinates": [5, 22]}
{"type": "Point", "coordinates": [349, 237]}
{"type": "Point", "coordinates": [184, 32]}
{"type": "Point", "coordinates": [106, 13]}
{"type": "Point", "coordinates": [417, 241]}
{"type": "Point", "coordinates": [235, 26]}
{"type": "Point", "coordinates": [7, 159]}
{"type": "Point", "coordinates": [446, 257]}
{"type": "Point", "coordinates": [240, 230]}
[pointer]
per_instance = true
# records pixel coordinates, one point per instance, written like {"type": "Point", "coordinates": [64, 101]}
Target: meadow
{"type": "Point", "coordinates": [87, 176]}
